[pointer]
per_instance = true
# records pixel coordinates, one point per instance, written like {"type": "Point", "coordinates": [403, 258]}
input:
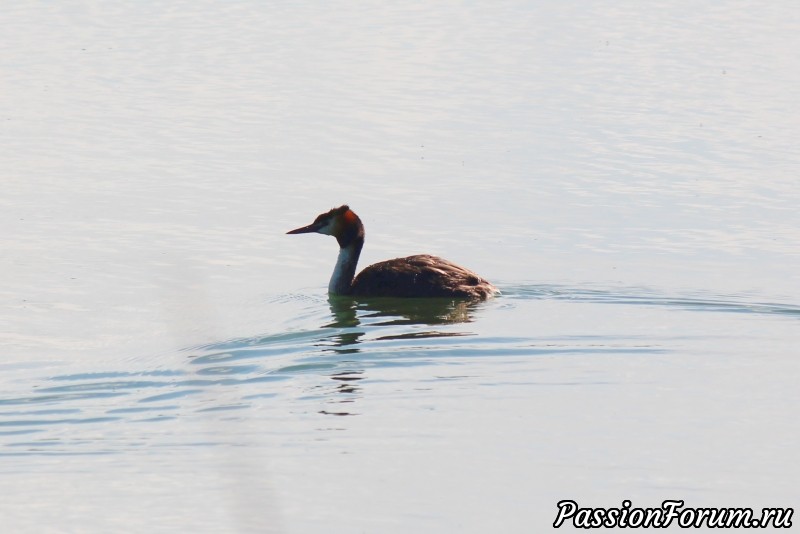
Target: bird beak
{"type": "Point", "coordinates": [311, 228]}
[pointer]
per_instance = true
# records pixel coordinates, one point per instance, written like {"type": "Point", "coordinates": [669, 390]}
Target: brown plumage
{"type": "Point", "coordinates": [414, 276]}
{"type": "Point", "coordinates": [421, 275]}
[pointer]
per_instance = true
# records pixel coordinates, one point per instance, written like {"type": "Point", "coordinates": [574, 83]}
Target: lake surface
{"type": "Point", "coordinates": [627, 175]}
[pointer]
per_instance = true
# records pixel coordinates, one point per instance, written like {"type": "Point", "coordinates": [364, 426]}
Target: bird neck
{"type": "Point", "coordinates": [351, 241]}
{"type": "Point", "coordinates": [345, 269]}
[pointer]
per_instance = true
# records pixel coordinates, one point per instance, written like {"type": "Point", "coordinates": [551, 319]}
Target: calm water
{"type": "Point", "coordinates": [626, 174]}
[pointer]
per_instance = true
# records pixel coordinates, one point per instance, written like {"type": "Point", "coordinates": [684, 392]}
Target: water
{"type": "Point", "coordinates": [626, 175]}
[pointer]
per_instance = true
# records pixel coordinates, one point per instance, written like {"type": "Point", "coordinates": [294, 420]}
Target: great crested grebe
{"type": "Point", "coordinates": [415, 276]}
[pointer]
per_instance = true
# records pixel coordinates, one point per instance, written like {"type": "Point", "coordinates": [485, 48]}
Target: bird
{"type": "Point", "coordinates": [421, 275]}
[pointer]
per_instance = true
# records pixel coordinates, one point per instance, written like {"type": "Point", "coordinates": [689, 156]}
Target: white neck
{"type": "Point", "coordinates": [344, 271]}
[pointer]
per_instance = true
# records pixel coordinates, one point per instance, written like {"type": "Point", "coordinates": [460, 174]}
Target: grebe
{"type": "Point", "coordinates": [415, 276]}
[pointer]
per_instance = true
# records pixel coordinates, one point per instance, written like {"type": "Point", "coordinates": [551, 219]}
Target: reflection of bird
{"type": "Point", "coordinates": [414, 276]}
{"type": "Point", "coordinates": [351, 312]}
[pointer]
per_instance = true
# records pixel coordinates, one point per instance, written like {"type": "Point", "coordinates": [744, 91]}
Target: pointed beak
{"type": "Point", "coordinates": [311, 228]}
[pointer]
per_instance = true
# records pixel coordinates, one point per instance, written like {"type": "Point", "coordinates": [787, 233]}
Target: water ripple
{"type": "Point", "coordinates": [644, 297]}
{"type": "Point", "coordinates": [335, 354]}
